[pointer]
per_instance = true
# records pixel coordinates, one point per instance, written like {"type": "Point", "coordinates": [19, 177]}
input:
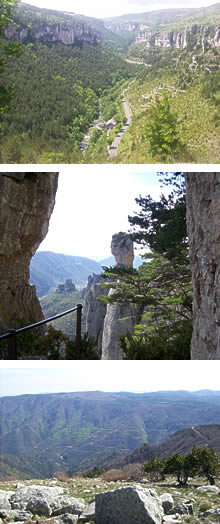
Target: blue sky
{"type": "Point", "coordinates": [92, 203]}
{"type": "Point", "coordinates": [101, 9]}
{"type": "Point", "coordinates": [27, 377]}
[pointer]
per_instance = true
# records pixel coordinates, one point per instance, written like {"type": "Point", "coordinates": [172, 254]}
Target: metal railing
{"type": "Point", "coordinates": [11, 334]}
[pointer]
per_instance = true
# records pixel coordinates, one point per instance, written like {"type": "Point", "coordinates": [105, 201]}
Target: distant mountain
{"type": "Point", "coordinates": [178, 17]}
{"type": "Point", "coordinates": [181, 442]}
{"type": "Point", "coordinates": [75, 431]}
{"type": "Point", "coordinates": [49, 269]}
{"type": "Point", "coordinates": [110, 261]}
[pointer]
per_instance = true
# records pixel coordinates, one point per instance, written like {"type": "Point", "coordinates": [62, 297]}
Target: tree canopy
{"type": "Point", "coordinates": [160, 289]}
{"type": "Point", "coordinates": [201, 461]}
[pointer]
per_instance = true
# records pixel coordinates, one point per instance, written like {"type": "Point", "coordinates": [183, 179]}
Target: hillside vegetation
{"type": "Point", "coordinates": [60, 89]}
{"type": "Point", "coordinates": [78, 431]}
{"type": "Point", "coordinates": [49, 269]}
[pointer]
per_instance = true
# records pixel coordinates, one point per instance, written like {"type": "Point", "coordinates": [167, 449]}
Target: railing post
{"type": "Point", "coordinates": [12, 345]}
{"type": "Point", "coordinates": [78, 330]}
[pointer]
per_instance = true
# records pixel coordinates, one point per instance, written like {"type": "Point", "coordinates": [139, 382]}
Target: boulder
{"type": "Point", "coordinates": [181, 509]}
{"type": "Point", "coordinates": [4, 501]}
{"type": "Point", "coordinates": [212, 489]}
{"type": "Point", "coordinates": [210, 512]}
{"type": "Point", "coordinates": [36, 499]}
{"type": "Point", "coordinates": [66, 518]}
{"type": "Point", "coordinates": [130, 505]}
{"type": "Point", "coordinates": [167, 502]}
{"type": "Point", "coordinates": [88, 513]}
{"type": "Point", "coordinates": [65, 504]}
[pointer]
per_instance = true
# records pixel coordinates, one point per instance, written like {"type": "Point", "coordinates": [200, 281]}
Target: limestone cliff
{"type": "Point", "coordinates": [194, 36]}
{"type": "Point", "coordinates": [53, 33]}
{"type": "Point", "coordinates": [203, 219]}
{"type": "Point", "coordinates": [114, 325]}
{"type": "Point", "coordinates": [26, 204]}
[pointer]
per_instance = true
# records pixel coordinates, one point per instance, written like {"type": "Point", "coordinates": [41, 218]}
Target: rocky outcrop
{"type": "Point", "coordinates": [96, 310]}
{"type": "Point", "coordinates": [128, 27]}
{"type": "Point", "coordinates": [72, 35]}
{"type": "Point", "coordinates": [195, 36]}
{"type": "Point", "coordinates": [122, 249]}
{"type": "Point", "coordinates": [26, 204]}
{"type": "Point", "coordinates": [203, 220]}
{"type": "Point", "coordinates": [106, 323]}
{"type": "Point", "coordinates": [119, 319]}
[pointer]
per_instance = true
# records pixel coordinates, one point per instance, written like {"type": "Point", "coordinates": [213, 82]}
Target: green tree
{"type": "Point", "coordinates": [161, 287]}
{"type": "Point", "coordinates": [161, 130]}
{"type": "Point", "coordinates": [200, 461]}
{"type": "Point", "coordinates": [155, 465]}
{"type": "Point", "coordinates": [87, 349]}
{"type": "Point", "coordinates": [179, 465]}
{"type": "Point", "coordinates": [206, 462]}
{"type": "Point", "coordinates": [8, 51]}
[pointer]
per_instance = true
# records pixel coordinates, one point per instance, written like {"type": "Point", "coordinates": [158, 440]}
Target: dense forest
{"type": "Point", "coordinates": [58, 91]}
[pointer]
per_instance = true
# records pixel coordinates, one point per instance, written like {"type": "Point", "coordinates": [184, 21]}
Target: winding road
{"type": "Point", "coordinates": [113, 148]}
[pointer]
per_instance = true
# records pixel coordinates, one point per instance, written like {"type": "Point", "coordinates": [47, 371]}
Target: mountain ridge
{"type": "Point", "coordinates": [77, 430]}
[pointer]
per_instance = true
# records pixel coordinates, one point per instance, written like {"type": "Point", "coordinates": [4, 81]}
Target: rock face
{"type": "Point", "coordinates": [103, 322]}
{"type": "Point", "coordinates": [26, 204]}
{"type": "Point", "coordinates": [114, 326]}
{"type": "Point", "coordinates": [122, 249]}
{"type": "Point", "coordinates": [203, 219]}
{"type": "Point", "coordinates": [73, 35]}
{"type": "Point", "coordinates": [96, 310]}
{"type": "Point", "coordinates": [196, 36]}
{"type": "Point", "coordinates": [131, 505]}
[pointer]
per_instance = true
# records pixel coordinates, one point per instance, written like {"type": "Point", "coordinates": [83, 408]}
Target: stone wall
{"type": "Point", "coordinates": [26, 204]}
{"type": "Point", "coordinates": [203, 219]}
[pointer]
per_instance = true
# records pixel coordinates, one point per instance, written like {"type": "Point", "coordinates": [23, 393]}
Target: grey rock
{"type": "Point", "coordinates": [210, 512]}
{"type": "Point", "coordinates": [181, 509]}
{"type": "Point", "coordinates": [130, 505]}
{"type": "Point", "coordinates": [123, 250]}
{"type": "Point", "coordinates": [203, 223]}
{"type": "Point", "coordinates": [96, 310]}
{"type": "Point", "coordinates": [118, 321]}
{"type": "Point", "coordinates": [25, 210]}
{"type": "Point", "coordinates": [36, 499]}
{"type": "Point", "coordinates": [66, 518]}
{"type": "Point", "coordinates": [4, 501]}
{"type": "Point", "coordinates": [15, 176]}
{"type": "Point", "coordinates": [65, 504]}
{"type": "Point", "coordinates": [20, 515]}
{"type": "Point", "coordinates": [167, 502]}
{"type": "Point", "coordinates": [88, 513]}
{"type": "Point", "coordinates": [212, 489]}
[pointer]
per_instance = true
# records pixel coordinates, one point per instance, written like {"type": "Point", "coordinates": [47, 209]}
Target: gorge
{"type": "Point", "coordinates": [27, 201]}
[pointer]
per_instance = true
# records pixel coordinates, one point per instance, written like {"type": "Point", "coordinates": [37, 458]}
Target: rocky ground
{"type": "Point", "coordinates": [80, 500]}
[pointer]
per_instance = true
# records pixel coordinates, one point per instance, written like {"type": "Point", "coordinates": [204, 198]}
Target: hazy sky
{"type": "Point", "coordinates": [93, 203]}
{"type": "Point", "coordinates": [101, 9]}
{"type": "Point", "coordinates": [134, 376]}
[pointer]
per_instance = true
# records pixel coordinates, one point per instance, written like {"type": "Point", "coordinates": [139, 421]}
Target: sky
{"type": "Point", "coordinates": [110, 376]}
{"type": "Point", "coordinates": [101, 9]}
{"type": "Point", "coordinates": [93, 203]}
